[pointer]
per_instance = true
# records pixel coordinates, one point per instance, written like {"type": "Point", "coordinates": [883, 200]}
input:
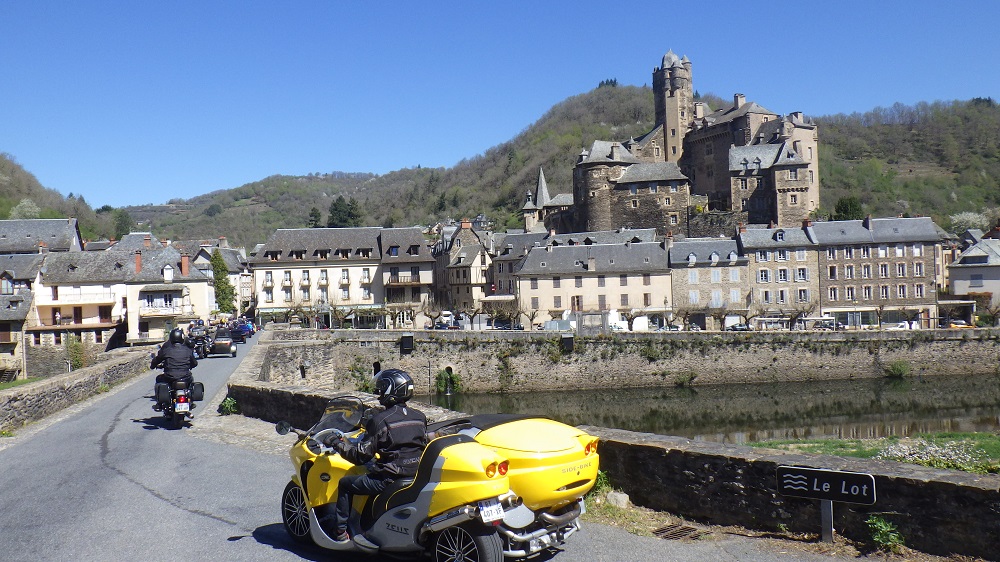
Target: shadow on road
{"type": "Point", "coordinates": [274, 535]}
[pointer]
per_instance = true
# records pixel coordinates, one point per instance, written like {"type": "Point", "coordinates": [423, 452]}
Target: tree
{"type": "Point", "coordinates": [315, 218]}
{"type": "Point", "coordinates": [26, 209]}
{"type": "Point", "coordinates": [225, 294]}
{"type": "Point", "coordinates": [848, 208]}
{"type": "Point", "coordinates": [213, 209]}
{"type": "Point", "coordinates": [122, 222]}
{"type": "Point", "coordinates": [344, 213]}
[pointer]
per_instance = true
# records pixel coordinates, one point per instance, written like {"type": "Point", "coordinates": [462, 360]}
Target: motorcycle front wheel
{"type": "Point", "coordinates": [295, 514]}
{"type": "Point", "coordinates": [468, 543]}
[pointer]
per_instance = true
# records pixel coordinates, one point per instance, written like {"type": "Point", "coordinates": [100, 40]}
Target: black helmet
{"type": "Point", "coordinates": [177, 335]}
{"type": "Point", "coordinates": [393, 386]}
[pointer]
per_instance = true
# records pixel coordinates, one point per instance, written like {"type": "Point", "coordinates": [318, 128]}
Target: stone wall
{"type": "Point", "coordinates": [533, 361]}
{"type": "Point", "coordinates": [936, 511]}
{"type": "Point", "coordinates": [33, 401]}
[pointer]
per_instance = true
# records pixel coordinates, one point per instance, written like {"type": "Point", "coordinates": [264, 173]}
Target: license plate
{"type": "Point", "coordinates": [182, 407]}
{"type": "Point", "coordinates": [490, 510]}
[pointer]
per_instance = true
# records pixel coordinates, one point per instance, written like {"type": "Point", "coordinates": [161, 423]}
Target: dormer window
{"type": "Point", "coordinates": [168, 274]}
{"type": "Point", "coordinates": [779, 236]}
{"type": "Point", "coordinates": [322, 254]}
{"type": "Point", "coordinates": [414, 250]}
{"type": "Point", "coordinates": [714, 257]}
{"type": "Point", "coordinates": [692, 259]}
{"type": "Point", "coordinates": [732, 256]}
{"type": "Point", "coordinates": [393, 251]}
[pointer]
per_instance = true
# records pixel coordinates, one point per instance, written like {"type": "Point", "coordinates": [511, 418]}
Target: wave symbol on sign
{"type": "Point", "coordinates": [794, 481]}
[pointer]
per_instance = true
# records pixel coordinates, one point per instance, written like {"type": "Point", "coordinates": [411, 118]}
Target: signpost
{"type": "Point", "coordinates": [827, 486]}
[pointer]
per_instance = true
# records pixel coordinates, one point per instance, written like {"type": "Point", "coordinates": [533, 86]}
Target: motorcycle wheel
{"type": "Point", "coordinates": [295, 514]}
{"type": "Point", "coordinates": [468, 543]}
{"type": "Point", "coordinates": [177, 420]}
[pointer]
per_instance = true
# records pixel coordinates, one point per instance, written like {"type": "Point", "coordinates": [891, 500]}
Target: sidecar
{"type": "Point", "coordinates": [552, 466]}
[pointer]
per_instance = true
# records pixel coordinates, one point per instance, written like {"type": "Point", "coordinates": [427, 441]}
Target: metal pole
{"type": "Point", "coordinates": [826, 510]}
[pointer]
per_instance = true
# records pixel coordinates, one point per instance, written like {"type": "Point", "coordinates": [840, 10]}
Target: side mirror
{"type": "Point", "coordinates": [283, 428]}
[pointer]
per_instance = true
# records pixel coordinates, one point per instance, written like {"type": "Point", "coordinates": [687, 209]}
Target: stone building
{"type": "Point", "coordinates": [784, 273]}
{"type": "Point", "coordinates": [710, 286]}
{"type": "Point", "coordinates": [744, 161]}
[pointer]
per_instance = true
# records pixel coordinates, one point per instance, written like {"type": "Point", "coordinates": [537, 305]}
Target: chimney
{"type": "Point", "coordinates": [616, 151]}
{"type": "Point", "coordinates": [223, 243]}
{"type": "Point", "coordinates": [165, 242]}
{"type": "Point", "coordinates": [185, 264]}
{"type": "Point", "coordinates": [867, 223]}
{"type": "Point", "coordinates": [552, 232]}
{"type": "Point", "coordinates": [43, 248]}
{"type": "Point", "coordinates": [138, 261]}
{"type": "Point", "coordinates": [466, 224]}
{"type": "Point", "coordinates": [807, 222]}
{"type": "Point", "coordinates": [146, 241]}
{"type": "Point", "coordinates": [591, 264]}
{"type": "Point", "coordinates": [699, 109]}
{"type": "Point", "coordinates": [739, 100]}
{"type": "Point", "coordinates": [742, 228]}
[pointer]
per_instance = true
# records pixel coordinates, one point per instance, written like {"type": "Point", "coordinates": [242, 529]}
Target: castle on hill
{"type": "Point", "coordinates": [698, 172]}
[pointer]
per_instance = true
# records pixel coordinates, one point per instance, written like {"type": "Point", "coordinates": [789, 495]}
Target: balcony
{"type": "Point", "coordinates": [345, 280]}
{"type": "Point", "coordinates": [286, 282]}
{"type": "Point", "coordinates": [65, 297]}
{"type": "Point", "coordinates": [403, 280]}
{"type": "Point", "coordinates": [160, 311]}
{"type": "Point", "coordinates": [268, 284]}
{"type": "Point", "coordinates": [323, 281]}
{"type": "Point", "coordinates": [366, 280]}
{"type": "Point", "coordinates": [304, 282]}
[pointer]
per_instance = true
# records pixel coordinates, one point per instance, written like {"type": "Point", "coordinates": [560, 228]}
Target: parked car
{"type": "Point", "coordinates": [739, 328]}
{"type": "Point", "coordinates": [222, 343]}
{"type": "Point", "coordinates": [669, 328]}
{"type": "Point", "coordinates": [959, 324]}
{"type": "Point", "coordinates": [828, 325]}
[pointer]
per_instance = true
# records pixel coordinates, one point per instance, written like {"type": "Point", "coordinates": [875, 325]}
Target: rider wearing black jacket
{"type": "Point", "coordinates": [177, 360]}
{"type": "Point", "coordinates": [394, 440]}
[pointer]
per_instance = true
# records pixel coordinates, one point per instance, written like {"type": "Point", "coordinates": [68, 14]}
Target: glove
{"type": "Point", "coordinates": [336, 436]}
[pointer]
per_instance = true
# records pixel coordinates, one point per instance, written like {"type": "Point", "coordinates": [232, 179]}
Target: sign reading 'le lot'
{"type": "Point", "coordinates": [821, 484]}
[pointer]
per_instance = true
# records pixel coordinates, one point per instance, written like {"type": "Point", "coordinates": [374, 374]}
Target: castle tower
{"type": "Point", "coordinates": [673, 97]}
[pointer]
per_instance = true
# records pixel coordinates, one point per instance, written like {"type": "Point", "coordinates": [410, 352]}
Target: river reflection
{"type": "Point", "coordinates": [862, 408]}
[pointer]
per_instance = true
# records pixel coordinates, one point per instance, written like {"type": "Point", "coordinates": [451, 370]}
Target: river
{"type": "Point", "coordinates": [845, 409]}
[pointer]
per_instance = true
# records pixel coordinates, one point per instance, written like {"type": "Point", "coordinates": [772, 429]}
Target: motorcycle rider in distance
{"type": "Point", "coordinates": [393, 441]}
{"type": "Point", "coordinates": [177, 360]}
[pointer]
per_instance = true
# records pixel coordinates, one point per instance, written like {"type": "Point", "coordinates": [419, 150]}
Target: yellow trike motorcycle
{"type": "Point", "coordinates": [451, 508]}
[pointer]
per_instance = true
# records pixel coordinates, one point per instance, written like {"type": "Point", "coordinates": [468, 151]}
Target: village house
{"type": "Point", "coordinates": [710, 282]}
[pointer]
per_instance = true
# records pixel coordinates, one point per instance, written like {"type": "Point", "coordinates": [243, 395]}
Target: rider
{"type": "Point", "coordinates": [393, 442]}
{"type": "Point", "coordinates": [177, 360]}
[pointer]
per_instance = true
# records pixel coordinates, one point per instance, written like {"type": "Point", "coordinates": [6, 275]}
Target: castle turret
{"type": "Point", "coordinates": [673, 100]}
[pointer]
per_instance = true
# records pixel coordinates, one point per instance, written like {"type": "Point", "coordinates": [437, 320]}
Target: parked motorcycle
{"type": "Point", "coordinates": [177, 400]}
{"type": "Point", "coordinates": [449, 510]}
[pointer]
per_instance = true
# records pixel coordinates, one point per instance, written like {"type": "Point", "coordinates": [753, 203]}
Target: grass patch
{"type": "Point", "coordinates": [969, 452]}
{"type": "Point", "coordinates": [19, 382]}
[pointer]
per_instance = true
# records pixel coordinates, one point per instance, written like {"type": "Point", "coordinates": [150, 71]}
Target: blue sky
{"type": "Point", "coordinates": [141, 102]}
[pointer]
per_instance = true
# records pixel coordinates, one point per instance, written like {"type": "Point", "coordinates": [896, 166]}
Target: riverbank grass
{"type": "Point", "coordinates": [19, 382]}
{"type": "Point", "coordinates": [969, 452]}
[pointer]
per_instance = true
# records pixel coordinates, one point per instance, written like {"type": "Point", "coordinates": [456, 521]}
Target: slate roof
{"type": "Point", "coordinates": [652, 171]}
{"type": "Point", "coordinates": [14, 308]}
{"type": "Point", "coordinates": [703, 250]}
{"type": "Point", "coordinates": [521, 243]}
{"type": "Point", "coordinates": [731, 113]}
{"type": "Point", "coordinates": [600, 153]}
{"type": "Point", "coordinates": [985, 253]}
{"type": "Point", "coordinates": [97, 245]}
{"type": "Point", "coordinates": [612, 259]}
{"type": "Point", "coordinates": [310, 240]}
{"type": "Point", "coordinates": [21, 266]}
{"type": "Point", "coordinates": [467, 255]}
{"type": "Point", "coordinates": [882, 231]}
{"type": "Point", "coordinates": [404, 238]}
{"type": "Point", "coordinates": [21, 236]}
{"type": "Point", "coordinates": [137, 241]}
{"type": "Point", "coordinates": [759, 238]}
{"type": "Point", "coordinates": [115, 266]}
{"type": "Point", "coordinates": [767, 153]}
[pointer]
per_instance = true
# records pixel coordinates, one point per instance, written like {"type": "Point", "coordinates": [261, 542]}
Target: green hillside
{"type": "Point", "coordinates": [939, 159]}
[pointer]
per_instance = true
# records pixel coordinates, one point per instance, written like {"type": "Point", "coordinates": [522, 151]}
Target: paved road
{"type": "Point", "coordinates": [108, 480]}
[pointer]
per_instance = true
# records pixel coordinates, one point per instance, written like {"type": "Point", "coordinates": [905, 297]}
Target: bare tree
{"type": "Point", "coordinates": [719, 314]}
{"type": "Point", "coordinates": [752, 311]}
{"type": "Point", "coordinates": [992, 307]}
{"type": "Point", "coordinates": [432, 309]}
{"type": "Point", "coordinates": [798, 312]}
{"type": "Point", "coordinates": [631, 314]}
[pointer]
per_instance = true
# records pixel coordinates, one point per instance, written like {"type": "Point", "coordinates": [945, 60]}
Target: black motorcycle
{"type": "Point", "coordinates": [200, 346]}
{"type": "Point", "coordinates": [176, 400]}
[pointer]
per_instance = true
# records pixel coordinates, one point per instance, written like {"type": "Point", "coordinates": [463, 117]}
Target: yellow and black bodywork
{"type": "Point", "coordinates": [551, 467]}
{"type": "Point", "coordinates": [460, 487]}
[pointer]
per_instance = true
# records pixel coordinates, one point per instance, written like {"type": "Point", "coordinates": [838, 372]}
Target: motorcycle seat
{"type": "Point", "coordinates": [179, 385]}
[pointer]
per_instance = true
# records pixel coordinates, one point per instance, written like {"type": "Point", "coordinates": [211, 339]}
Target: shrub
{"type": "Point", "coordinates": [229, 406]}
{"type": "Point", "coordinates": [884, 534]}
{"type": "Point", "coordinates": [897, 369]}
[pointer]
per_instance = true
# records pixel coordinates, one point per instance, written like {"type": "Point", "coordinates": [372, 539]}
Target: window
{"type": "Point", "coordinates": [866, 271]}
{"type": "Point", "coordinates": [918, 269]}
{"type": "Point", "coordinates": [602, 302]}
{"type": "Point", "coordinates": [693, 277]}
{"type": "Point", "coordinates": [653, 188]}
{"type": "Point", "coordinates": [624, 299]}
{"type": "Point", "coordinates": [866, 252]}
{"type": "Point", "coordinates": [782, 275]}
{"type": "Point", "coordinates": [900, 270]}
{"type": "Point", "coordinates": [833, 272]}
{"type": "Point", "coordinates": [848, 272]}
{"type": "Point", "coordinates": [734, 274]}
{"type": "Point", "coordinates": [6, 287]}
{"type": "Point", "coordinates": [764, 276]}
{"type": "Point", "coordinates": [556, 282]}
{"type": "Point", "coordinates": [534, 283]}
{"type": "Point", "coordinates": [576, 303]}
{"type": "Point", "coordinates": [793, 199]}
{"type": "Point", "coordinates": [781, 296]}
{"type": "Point", "coordinates": [976, 280]}
{"type": "Point", "coordinates": [673, 187]}
{"type": "Point", "coordinates": [883, 251]}
{"type": "Point", "coordinates": [534, 303]}
{"type": "Point", "coordinates": [866, 293]}
{"type": "Point", "coordinates": [600, 280]}
{"type": "Point", "coordinates": [765, 297]}
{"type": "Point", "coordinates": [800, 254]}
{"type": "Point", "coordinates": [734, 296]}
{"type": "Point", "coordinates": [803, 295]}
{"type": "Point", "coordinates": [287, 277]}
{"type": "Point", "coordinates": [716, 299]}
{"type": "Point", "coordinates": [743, 183]}
{"type": "Point", "coordinates": [623, 280]}
{"type": "Point", "coordinates": [802, 274]}
{"type": "Point", "coordinates": [849, 293]}
{"type": "Point", "coordinates": [831, 253]}
{"type": "Point", "coordinates": [578, 281]}
{"type": "Point", "coordinates": [633, 189]}
{"type": "Point", "coordinates": [345, 293]}
{"type": "Point", "coordinates": [345, 274]}
{"type": "Point", "coordinates": [716, 276]}
{"type": "Point", "coordinates": [833, 293]}
{"type": "Point", "coordinates": [901, 291]}
{"type": "Point", "coordinates": [305, 294]}
{"type": "Point", "coordinates": [693, 297]}
{"type": "Point", "coordinates": [782, 255]}
{"type": "Point", "coordinates": [708, 148]}
{"type": "Point", "coordinates": [793, 175]}
{"type": "Point", "coordinates": [288, 294]}
{"type": "Point", "coordinates": [883, 270]}
{"type": "Point", "coordinates": [635, 203]}
{"type": "Point", "coordinates": [763, 255]}
{"type": "Point", "coordinates": [646, 279]}
{"type": "Point", "coordinates": [647, 299]}
{"type": "Point", "coordinates": [918, 291]}
{"type": "Point", "coordinates": [673, 219]}
{"type": "Point", "coordinates": [557, 302]}
{"type": "Point", "coordinates": [918, 250]}
{"type": "Point", "coordinates": [268, 295]}
{"type": "Point", "coordinates": [900, 252]}
{"type": "Point", "coordinates": [305, 276]}
{"type": "Point", "coordinates": [884, 291]}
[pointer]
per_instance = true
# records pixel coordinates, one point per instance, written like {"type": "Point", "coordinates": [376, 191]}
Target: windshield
{"type": "Point", "coordinates": [343, 413]}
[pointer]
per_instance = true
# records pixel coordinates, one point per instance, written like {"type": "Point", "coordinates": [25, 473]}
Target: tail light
{"type": "Point", "coordinates": [502, 468]}
{"type": "Point", "coordinates": [182, 398]}
{"type": "Point", "coordinates": [590, 447]}
{"type": "Point", "coordinates": [491, 470]}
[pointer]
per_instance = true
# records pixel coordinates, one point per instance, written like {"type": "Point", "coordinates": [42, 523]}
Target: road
{"type": "Point", "coordinates": [108, 479]}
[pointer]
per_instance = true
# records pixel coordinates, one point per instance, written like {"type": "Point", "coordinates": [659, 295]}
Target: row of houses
{"type": "Point", "coordinates": [133, 291]}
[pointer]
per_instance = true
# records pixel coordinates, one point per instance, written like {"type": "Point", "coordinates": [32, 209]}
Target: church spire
{"type": "Point", "coordinates": [542, 196]}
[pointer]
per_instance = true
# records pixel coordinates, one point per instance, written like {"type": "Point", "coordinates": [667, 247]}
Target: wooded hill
{"type": "Point", "coordinates": [938, 159]}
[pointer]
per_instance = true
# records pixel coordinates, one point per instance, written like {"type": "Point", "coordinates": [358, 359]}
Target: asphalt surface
{"type": "Point", "coordinates": [107, 479]}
